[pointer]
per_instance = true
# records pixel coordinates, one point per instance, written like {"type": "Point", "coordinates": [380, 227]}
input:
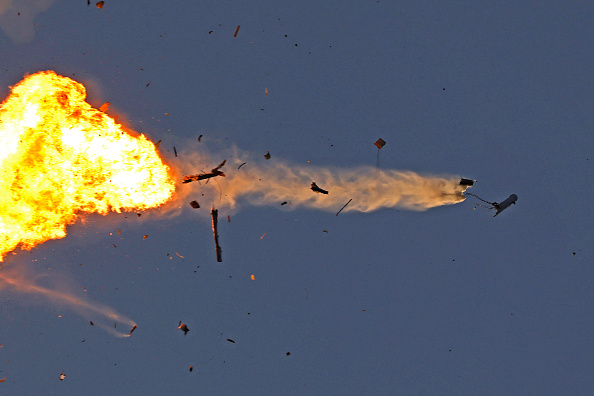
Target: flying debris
{"type": "Point", "coordinates": [131, 331]}
{"type": "Point", "coordinates": [62, 377]}
{"type": "Point", "coordinates": [345, 205]}
{"type": "Point", "coordinates": [500, 207]}
{"type": "Point", "coordinates": [195, 204]}
{"type": "Point", "coordinates": [201, 176]}
{"type": "Point", "coordinates": [505, 204]}
{"type": "Point", "coordinates": [380, 143]}
{"type": "Point", "coordinates": [467, 182]}
{"type": "Point", "coordinates": [183, 327]}
{"type": "Point", "coordinates": [267, 155]}
{"type": "Point", "coordinates": [215, 216]}
{"type": "Point", "coordinates": [317, 189]}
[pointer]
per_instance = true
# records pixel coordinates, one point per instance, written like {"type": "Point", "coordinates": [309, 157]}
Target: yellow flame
{"type": "Point", "coordinates": [59, 156]}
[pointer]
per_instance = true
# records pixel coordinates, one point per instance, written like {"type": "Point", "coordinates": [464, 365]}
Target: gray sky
{"type": "Point", "coordinates": [446, 301]}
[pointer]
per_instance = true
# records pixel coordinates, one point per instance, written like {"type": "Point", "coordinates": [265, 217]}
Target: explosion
{"type": "Point", "coordinates": [60, 157]}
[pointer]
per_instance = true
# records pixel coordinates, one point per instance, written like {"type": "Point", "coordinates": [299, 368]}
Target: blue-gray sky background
{"type": "Point", "coordinates": [447, 301]}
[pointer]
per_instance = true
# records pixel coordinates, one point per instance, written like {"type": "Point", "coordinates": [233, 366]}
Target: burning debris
{"type": "Point", "coordinates": [207, 175]}
{"type": "Point", "coordinates": [317, 189]}
{"type": "Point", "coordinates": [62, 377]}
{"type": "Point", "coordinates": [379, 143]}
{"type": "Point", "coordinates": [215, 221]}
{"type": "Point", "coordinates": [131, 331]}
{"type": "Point", "coordinates": [100, 4]}
{"type": "Point", "coordinates": [183, 327]}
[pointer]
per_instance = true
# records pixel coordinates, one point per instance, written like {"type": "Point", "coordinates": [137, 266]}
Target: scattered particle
{"type": "Point", "coordinates": [574, 253]}
{"type": "Point", "coordinates": [191, 368]}
{"type": "Point", "coordinates": [144, 237]}
{"type": "Point", "coordinates": [288, 353]}
{"type": "Point", "coordinates": [174, 151]}
{"type": "Point", "coordinates": [262, 236]}
{"type": "Point", "coordinates": [266, 91]}
{"type": "Point", "coordinates": [92, 324]}
{"type": "Point", "coordinates": [241, 165]}
{"type": "Point", "coordinates": [100, 4]}
{"type": "Point", "coordinates": [119, 232]}
{"type": "Point", "coordinates": [210, 32]}
{"type": "Point", "coordinates": [267, 155]}
{"type": "Point", "coordinates": [236, 31]}
{"type": "Point", "coordinates": [284, 203]}
{"type": "Point", "coordinates": [62, 377]}
{"type": "Point", "coordinates": [133, 328]}
{"type": "Point", "coordinates": [103, 108]}
{"type": "Point", "coordinates": [230, 340]}
{"type": "Point", "coordinates": [253, 277]}
{"type": "Point", "coordinates": [195, 204]}
{"type": "Point", "coordinates": [3, 379]}
{"type": "Point", "coordinates": [200, 138]}
{"type": "Point", "coordinates": [147, 84]}
{"type": "Point", "coordinates": [179, 255]}
{"type": "Point", "coordinates": [229, 218]}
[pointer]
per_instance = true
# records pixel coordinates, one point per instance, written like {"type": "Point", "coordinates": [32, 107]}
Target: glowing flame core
{"type": "Point", "coordinates": [59, 156]}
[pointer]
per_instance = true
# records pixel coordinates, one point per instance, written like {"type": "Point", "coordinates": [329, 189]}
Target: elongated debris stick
{"type": "Point", "coordinates": [345, 205]}
{"type": "Point", "coordinates": [215, 221]}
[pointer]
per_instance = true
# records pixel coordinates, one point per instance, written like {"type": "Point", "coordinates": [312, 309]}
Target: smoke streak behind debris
{"type": "Point", "coordinates": [270, 183]}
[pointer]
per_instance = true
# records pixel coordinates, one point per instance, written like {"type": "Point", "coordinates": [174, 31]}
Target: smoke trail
{"type": "Point", "coordinates": [102, 315]}
{"type": "Point", "coordinates": [274, 182]}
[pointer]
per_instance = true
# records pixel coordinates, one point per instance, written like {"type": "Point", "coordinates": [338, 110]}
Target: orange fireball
{"type": "Point", "coordinates": [59, 156]}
